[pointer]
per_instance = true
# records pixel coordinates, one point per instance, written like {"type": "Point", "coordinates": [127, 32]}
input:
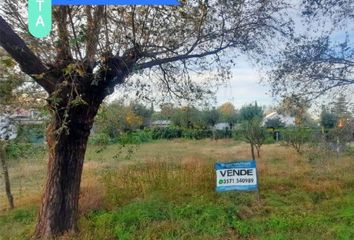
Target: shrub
{"type": "Point", "coordinates": [99, 139]}
{"type": "Point", "coordinates": [30, 134]}
{"type": "Point", "coordinates": [197, 133]}
{"type": "Point", "coordinates": [16, 150]}
{"type": "Point", "coordinates": [296, 137]}
{"type": "Point", "coordinates": [166, 133]}
{"type": "Point", "coordinates": [237, 135]}
{"type": "Point", "coordinates": [137, 137]}
{"type": "Point", "coordinates": [225, 133]}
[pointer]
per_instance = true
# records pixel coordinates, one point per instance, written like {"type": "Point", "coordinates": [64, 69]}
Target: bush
{"type": "Point", "coordinates": [237, 135]}
{"type": "Point", "coordinates": [296, 137]}
{"type": "Point", "coordinates": [225, 133]}
{"type": "Point", "coordinates": [16, 150]}
{"type": "Point", "coordinates": [142, 136]}
{"type": "Point", "coordinates": [269, 138]}
{"type": "Point", "coordinates": [137, 137]}
{"type": "Point", "coordinates": [197, 133]}
{"type": "Point", "coordinates": [99, 139]}
{"type": "Point", "coordinates": [30, 134]}
{"type": "Point", "coordinates": [166, 133]}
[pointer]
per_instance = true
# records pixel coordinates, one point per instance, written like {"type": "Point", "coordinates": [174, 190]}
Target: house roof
{"type": "Point", "coordinates": [286, 119]}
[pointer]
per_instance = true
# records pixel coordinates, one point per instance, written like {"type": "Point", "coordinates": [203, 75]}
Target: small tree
{"type": "Point", "coordinates": [210, 118]}
{"type": "Point", "coordinates": [297, 137]}
{"type": "Point", "coordinates": [9, 80]}
{"type": "Point", "coordinates": [117, 117]}
{"type": "Point", "coordinates": [254, 134]}
{"type": "Point", "coordinates": [252, 131]}
{"type": "Point", "coordinates": [327, 119]}
{"type": "Point", "coordinates": [7, 132]}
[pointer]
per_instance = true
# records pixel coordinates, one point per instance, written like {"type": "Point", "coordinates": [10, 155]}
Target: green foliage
{"type": "Point", "coordinates": [30, 134]}
{"type": "Point", "coordinates": [188, 117]}
{"type": "Point", "coordinates": [117, 118]}
{"type": "Point", "coordinates": [328, 120]}
{"type": "Point", "coordinates": [274, 123]}
{"type": "Point", "coordinates": [99, 139]}
{"type": "Point", "coordinates": [250, 112]}
{"type": "Point", "coordinates": [253, 133]}
{"type": "Point", "coordinates": [166, 133]}
{"type": "Point", "coordinates": [177, 132]}
{"type": "Point", "coordinates": [269, 138]}
{"type": "Point", "coordinates": [197, 133]}
{"type": "Point", "coordinates": [211, 117]}
{"type": "Point", "coordinates": [196, 219]}
{"type": "Point", "coordinates": [10, 79]}
{"type": "Point", "coordinates": [147, 135]}
{"type": "Point", "coordinates": [15, 150]}
{"type": "Point", "coordinates": [296, 137]}
{"type": "Point", "coordinates": [137, 137]}
{"type": "Point", "coordinates": [20, 220]}
{"type": "Point", "coordinates": [134, 137]}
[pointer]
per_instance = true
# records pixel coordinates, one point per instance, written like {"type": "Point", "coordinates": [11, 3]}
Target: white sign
{"type": "Point", "coordinates": [240, 175]}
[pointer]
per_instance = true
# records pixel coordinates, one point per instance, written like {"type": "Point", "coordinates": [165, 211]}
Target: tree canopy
{"type": "Point", "coordinates": [320, 60]}
{"type": "Point", "coordinates": [175, 41]}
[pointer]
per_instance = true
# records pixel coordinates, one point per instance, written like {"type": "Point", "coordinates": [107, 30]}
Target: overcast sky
{"type": "Point", "coordinates": [244, 87]}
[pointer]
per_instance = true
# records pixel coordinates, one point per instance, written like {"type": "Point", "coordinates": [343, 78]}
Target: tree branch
{"type": "Point", "coordinates": [93, 29]}
{"type": "Point", "coordinates": [60, 15]}
{"type": "Point", "coordinates": [179, 57]}
{"type": "Point", "coordinates": [18, 50]}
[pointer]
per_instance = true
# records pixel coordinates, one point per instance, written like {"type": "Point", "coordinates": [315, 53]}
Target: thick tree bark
{"type": "Point", "coordinates": [6, 177]}
{"type": "Point", "coordinates": [67, 146]}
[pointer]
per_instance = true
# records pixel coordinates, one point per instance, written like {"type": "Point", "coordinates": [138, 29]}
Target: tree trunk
{"type": "Point", "coordinates": [67, 147]}
{"type": "Point", "coordinates": [252, 151]}
{"type": "Point", "coordinates": [6, 176]}
{"type": "Point", "coordinates": [258, 151]}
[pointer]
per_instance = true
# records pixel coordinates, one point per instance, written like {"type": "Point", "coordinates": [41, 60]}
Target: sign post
{"type": "Point", "coordinates": [237, 176]}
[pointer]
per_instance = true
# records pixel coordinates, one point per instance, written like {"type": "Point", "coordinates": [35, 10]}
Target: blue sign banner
{"type": "Point", "coordinates": [237, 175]}
{"type": "Point", "coordinates": [115, 2]}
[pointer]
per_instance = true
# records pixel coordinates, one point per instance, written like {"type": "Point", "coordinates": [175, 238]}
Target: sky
{"type": "Point", "coordinates": [244, 87]}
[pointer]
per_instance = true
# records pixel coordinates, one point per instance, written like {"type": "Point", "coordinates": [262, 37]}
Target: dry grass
{"type": "Point", "coordinates": [27, 176]}
{"type": "Point", "coordinates": [180, 175]}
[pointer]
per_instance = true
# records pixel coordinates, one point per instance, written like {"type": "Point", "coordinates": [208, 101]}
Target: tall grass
{"type": "Point", "coordinates": [162, 200]}
{"type": "Point", "coordinates": [174, 181]}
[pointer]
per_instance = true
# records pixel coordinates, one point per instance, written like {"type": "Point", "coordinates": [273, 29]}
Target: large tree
{"type": "Point", "coordinates": [93, 49]}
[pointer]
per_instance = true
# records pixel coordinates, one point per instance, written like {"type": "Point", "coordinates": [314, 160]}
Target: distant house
{"type": "Point", "coordinates": [222, 126]}
{"type": "Point", "coordinates": [8, 129]}
{"type": "Point", "coordinates": [161, 123]}
{"type": "Point", "coordinates": [287, 120]}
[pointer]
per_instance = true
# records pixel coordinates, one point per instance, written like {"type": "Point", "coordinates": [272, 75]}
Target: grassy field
{"type": "Point", "coordinates": [165, 190]}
